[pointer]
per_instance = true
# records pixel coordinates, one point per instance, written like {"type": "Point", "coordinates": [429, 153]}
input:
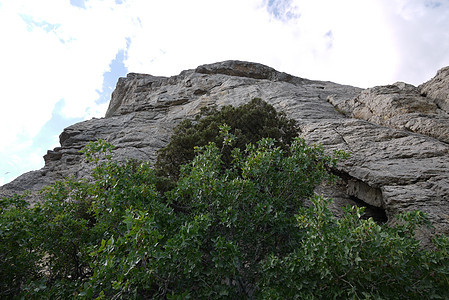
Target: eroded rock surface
{"type": "Point", "coordinates": [438, 89]}
{"type": "Point", "coordinates": [397, 135]}
{"type": "Point", "coordinates": [400, 106]}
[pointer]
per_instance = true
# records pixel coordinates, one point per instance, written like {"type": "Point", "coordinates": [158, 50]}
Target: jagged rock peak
{"type": "Point", "coordinates": [137, 83]}
{"type": "Point", "coordinates": [246, 69]}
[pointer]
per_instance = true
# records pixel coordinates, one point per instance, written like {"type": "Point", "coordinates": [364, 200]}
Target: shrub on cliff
{"type": "Point", "coordinates": [248, 124]}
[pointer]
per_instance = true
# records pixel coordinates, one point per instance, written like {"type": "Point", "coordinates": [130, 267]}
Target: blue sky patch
{"type": "Point", "coordinates": [282, 10]}
{"type": "Point", "coordinates": [47, 27]}
{"type": "Point", "coordinates": [432, 4]}
{"type": "Point", "coordinates": [329, 36]}
{"type": "Point", "coordinates": [117, 69]}
{"type": "Point", "coordinates": [78, 3]}
{"type": "Point", "coordinates": [54, 126]}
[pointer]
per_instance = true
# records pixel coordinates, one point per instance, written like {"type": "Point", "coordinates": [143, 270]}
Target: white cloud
{"type": "Point", "coordinates": [295, 37]}
{"type": "Point", "coordinates": [53, 51]}
{"type": "Point", "coordinates": [421, 37]}
{"type": "Point", "coordinates": [178, 35]}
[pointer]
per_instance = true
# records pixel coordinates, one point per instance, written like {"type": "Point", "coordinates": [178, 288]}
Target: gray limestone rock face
{"type": "Point", "coordinates": [438, 89]}
{"type": "Point", "coordinates": [397, 135]}
{"type": "Point", "coordinates": [400, 106]}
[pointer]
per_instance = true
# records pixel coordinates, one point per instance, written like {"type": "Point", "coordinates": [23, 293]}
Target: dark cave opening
{"type": "Point", "coordinates": [357, 189]}
{"type": "Point", "coordinates": [377, 213]}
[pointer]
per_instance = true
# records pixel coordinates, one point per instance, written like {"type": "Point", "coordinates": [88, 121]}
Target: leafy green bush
{"type": "Point", "coordinates": [352, 258]}
{"type": "Point", "coordinates": [224, 231]}
{"type": "Point", "coordinates": [248, 124]}
{"type": "Point", "coordinates": [17, 258]}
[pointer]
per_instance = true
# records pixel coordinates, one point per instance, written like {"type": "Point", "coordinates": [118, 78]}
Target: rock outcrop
{"type": "Point", "coordinates": [398, 135]}
{"type": "Point", "coordinates": [438, 89]}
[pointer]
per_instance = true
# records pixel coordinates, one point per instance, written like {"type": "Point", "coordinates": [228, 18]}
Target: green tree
{"type": "Point", "coordinates": [17, 256]}
{"type": "Point", "coordinates": [248, 124]}
{"type": "Point", "coordinates": [224, 223]}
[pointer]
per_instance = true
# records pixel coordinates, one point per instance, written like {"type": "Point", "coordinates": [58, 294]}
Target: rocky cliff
{"type": "Point", "coordinates": [398, 135]}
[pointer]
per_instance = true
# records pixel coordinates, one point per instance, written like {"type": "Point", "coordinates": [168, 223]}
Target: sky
{"type": "Point", "coordinates": [60, 59]}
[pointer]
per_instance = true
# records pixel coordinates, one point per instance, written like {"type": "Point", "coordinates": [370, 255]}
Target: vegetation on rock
{"type": "Point", "coordinates": [248, 124]}
{"type": "Point", "coordinates": [232, 227]}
